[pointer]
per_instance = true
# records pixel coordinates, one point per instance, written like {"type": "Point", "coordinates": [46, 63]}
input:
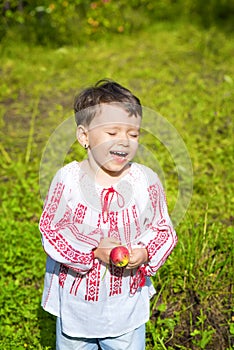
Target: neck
{"type": "Point", "coordinates": [102, 176]}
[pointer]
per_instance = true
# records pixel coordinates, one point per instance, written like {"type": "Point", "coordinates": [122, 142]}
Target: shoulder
{"type": "Point", "coordinates": [145, 173]}
{"type": "Point", "coordinates": [70, 170]}
{"type": "Point", "coordinates": [71, 167]}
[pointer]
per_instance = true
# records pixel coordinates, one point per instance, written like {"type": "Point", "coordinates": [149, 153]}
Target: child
{"type": "Point", "coordinates": [93, 206]}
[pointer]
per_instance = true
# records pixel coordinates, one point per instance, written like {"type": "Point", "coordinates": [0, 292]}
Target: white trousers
{"type": "Point", "coordinates": [134, 340]}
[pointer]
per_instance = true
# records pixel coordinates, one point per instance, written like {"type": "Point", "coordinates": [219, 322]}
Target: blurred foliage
{"type": "Point", "coordinates": [72, 22]}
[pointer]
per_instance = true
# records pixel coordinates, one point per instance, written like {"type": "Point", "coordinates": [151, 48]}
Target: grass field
{"type": "Point", "coordinates": [185, 74]}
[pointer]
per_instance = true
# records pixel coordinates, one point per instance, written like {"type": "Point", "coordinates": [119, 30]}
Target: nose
{"type": "Point", "coordinates": [124, 140]}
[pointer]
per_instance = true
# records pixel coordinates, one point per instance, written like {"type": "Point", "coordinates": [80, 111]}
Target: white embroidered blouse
{"type": "Point", "coordinates": [94, 300]}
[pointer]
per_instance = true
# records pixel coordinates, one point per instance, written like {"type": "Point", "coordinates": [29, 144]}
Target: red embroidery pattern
{"type": "Point", "coordinates": [62, 274]}
{"type": "Point", "coordinates": [162, 230]}
{"type": "Point", "coordinates": [99, 221]}
{"type": "Point", "coordinates": [54, 203]}
{"type": "Point", "coordinates": [114, 230]}
{"type": "Point", "coordinates": [136, 220]}
{"type": "Point", "coordinates": [78, 217]}
{"type": "Point", "coordinates": [65, 249]}
{"type": "Point", "coordinates": [82, 238]}
{"type": "Point", "coordinates": [55, 238]}
{"type": "Point", "coordinates": [137, 279]}
{"type": "Point", "coordinates": [126, 225]}
{"type": "Point", "coordinates": [154, 268]}
{"type": "Point", "coordinates": [154, 195]}
{"type": "Point", "coordinates": [116, 280]}
{"type": "Point", "coordinates": [93, 283]}
{"type": "Point", "coordinates": [79, 213]}
{"type": "Point", "coordinates": [76, 283]}
{"type": "Point", "coordinates": [65, 219]}
{"type": "Point", "coordinates": [159, 240]}
{"type": "Point", "coordinates": [54, 233]}
{"type": "Point", "coordinates": [107, 196]}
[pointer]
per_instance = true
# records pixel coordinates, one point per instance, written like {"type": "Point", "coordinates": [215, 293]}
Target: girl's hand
{"type": "Point", "coordinates": [102, 252]}
{"type": "Point", "coordinates": [138, 256]}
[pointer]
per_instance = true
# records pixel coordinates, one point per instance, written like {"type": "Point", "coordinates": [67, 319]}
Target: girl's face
{"type": "Point", "coordinates": [113, 139]}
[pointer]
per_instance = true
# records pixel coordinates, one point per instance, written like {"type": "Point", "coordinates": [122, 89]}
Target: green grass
{"type": "Point", "coordinates": [187, 75]}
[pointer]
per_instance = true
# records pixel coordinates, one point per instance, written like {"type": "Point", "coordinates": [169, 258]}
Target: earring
{"type": "Point", "coordinates": [85, 146]}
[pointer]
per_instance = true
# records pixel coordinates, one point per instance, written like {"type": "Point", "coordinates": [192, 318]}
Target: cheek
{"type": "Point", "coordinates": [100, 148]}
{"type": "Point", "coordinates": [98, 138]}
{"type": "Point", "coordinates": [101, 143]}
{"type": "Point", "coordinates": [134, 145]}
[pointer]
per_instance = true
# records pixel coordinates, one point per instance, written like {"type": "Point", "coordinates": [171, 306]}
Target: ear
{"type": "Point", "coordinates": [82, 136]}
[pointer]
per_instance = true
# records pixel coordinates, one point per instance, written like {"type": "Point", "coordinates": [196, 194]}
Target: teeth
{"type": "Point", "coordinates": [118, 153]}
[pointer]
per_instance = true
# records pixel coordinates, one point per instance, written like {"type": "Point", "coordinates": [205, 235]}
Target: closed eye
{"type": "Point", "coordinates": [134, 134]}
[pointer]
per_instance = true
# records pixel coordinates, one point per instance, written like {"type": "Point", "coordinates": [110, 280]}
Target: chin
{"type": "Point", "coordinates": [115, 171]}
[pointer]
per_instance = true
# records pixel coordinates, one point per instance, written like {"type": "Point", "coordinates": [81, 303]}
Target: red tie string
{"type": "Point", "coordinates": [138, 280]}
{"type": "Point", "coordinates": [107, 196]}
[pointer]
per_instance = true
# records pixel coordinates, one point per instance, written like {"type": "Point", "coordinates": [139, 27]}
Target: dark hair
{"type": "Point", "coordinates": [104, 91]}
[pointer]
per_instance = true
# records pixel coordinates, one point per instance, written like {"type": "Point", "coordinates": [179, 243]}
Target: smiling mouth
{"type": "Point", "coordinates": [119, 154]}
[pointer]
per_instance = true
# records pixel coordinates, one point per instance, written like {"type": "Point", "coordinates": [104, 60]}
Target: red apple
{"type": "Point", "coordinates": [119, 256]}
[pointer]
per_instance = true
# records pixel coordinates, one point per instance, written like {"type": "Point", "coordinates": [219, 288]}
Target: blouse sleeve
{"type": "Point", "coordinates": [159, 236]}
{"type": "Point", "coordinates": [61, 238]}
